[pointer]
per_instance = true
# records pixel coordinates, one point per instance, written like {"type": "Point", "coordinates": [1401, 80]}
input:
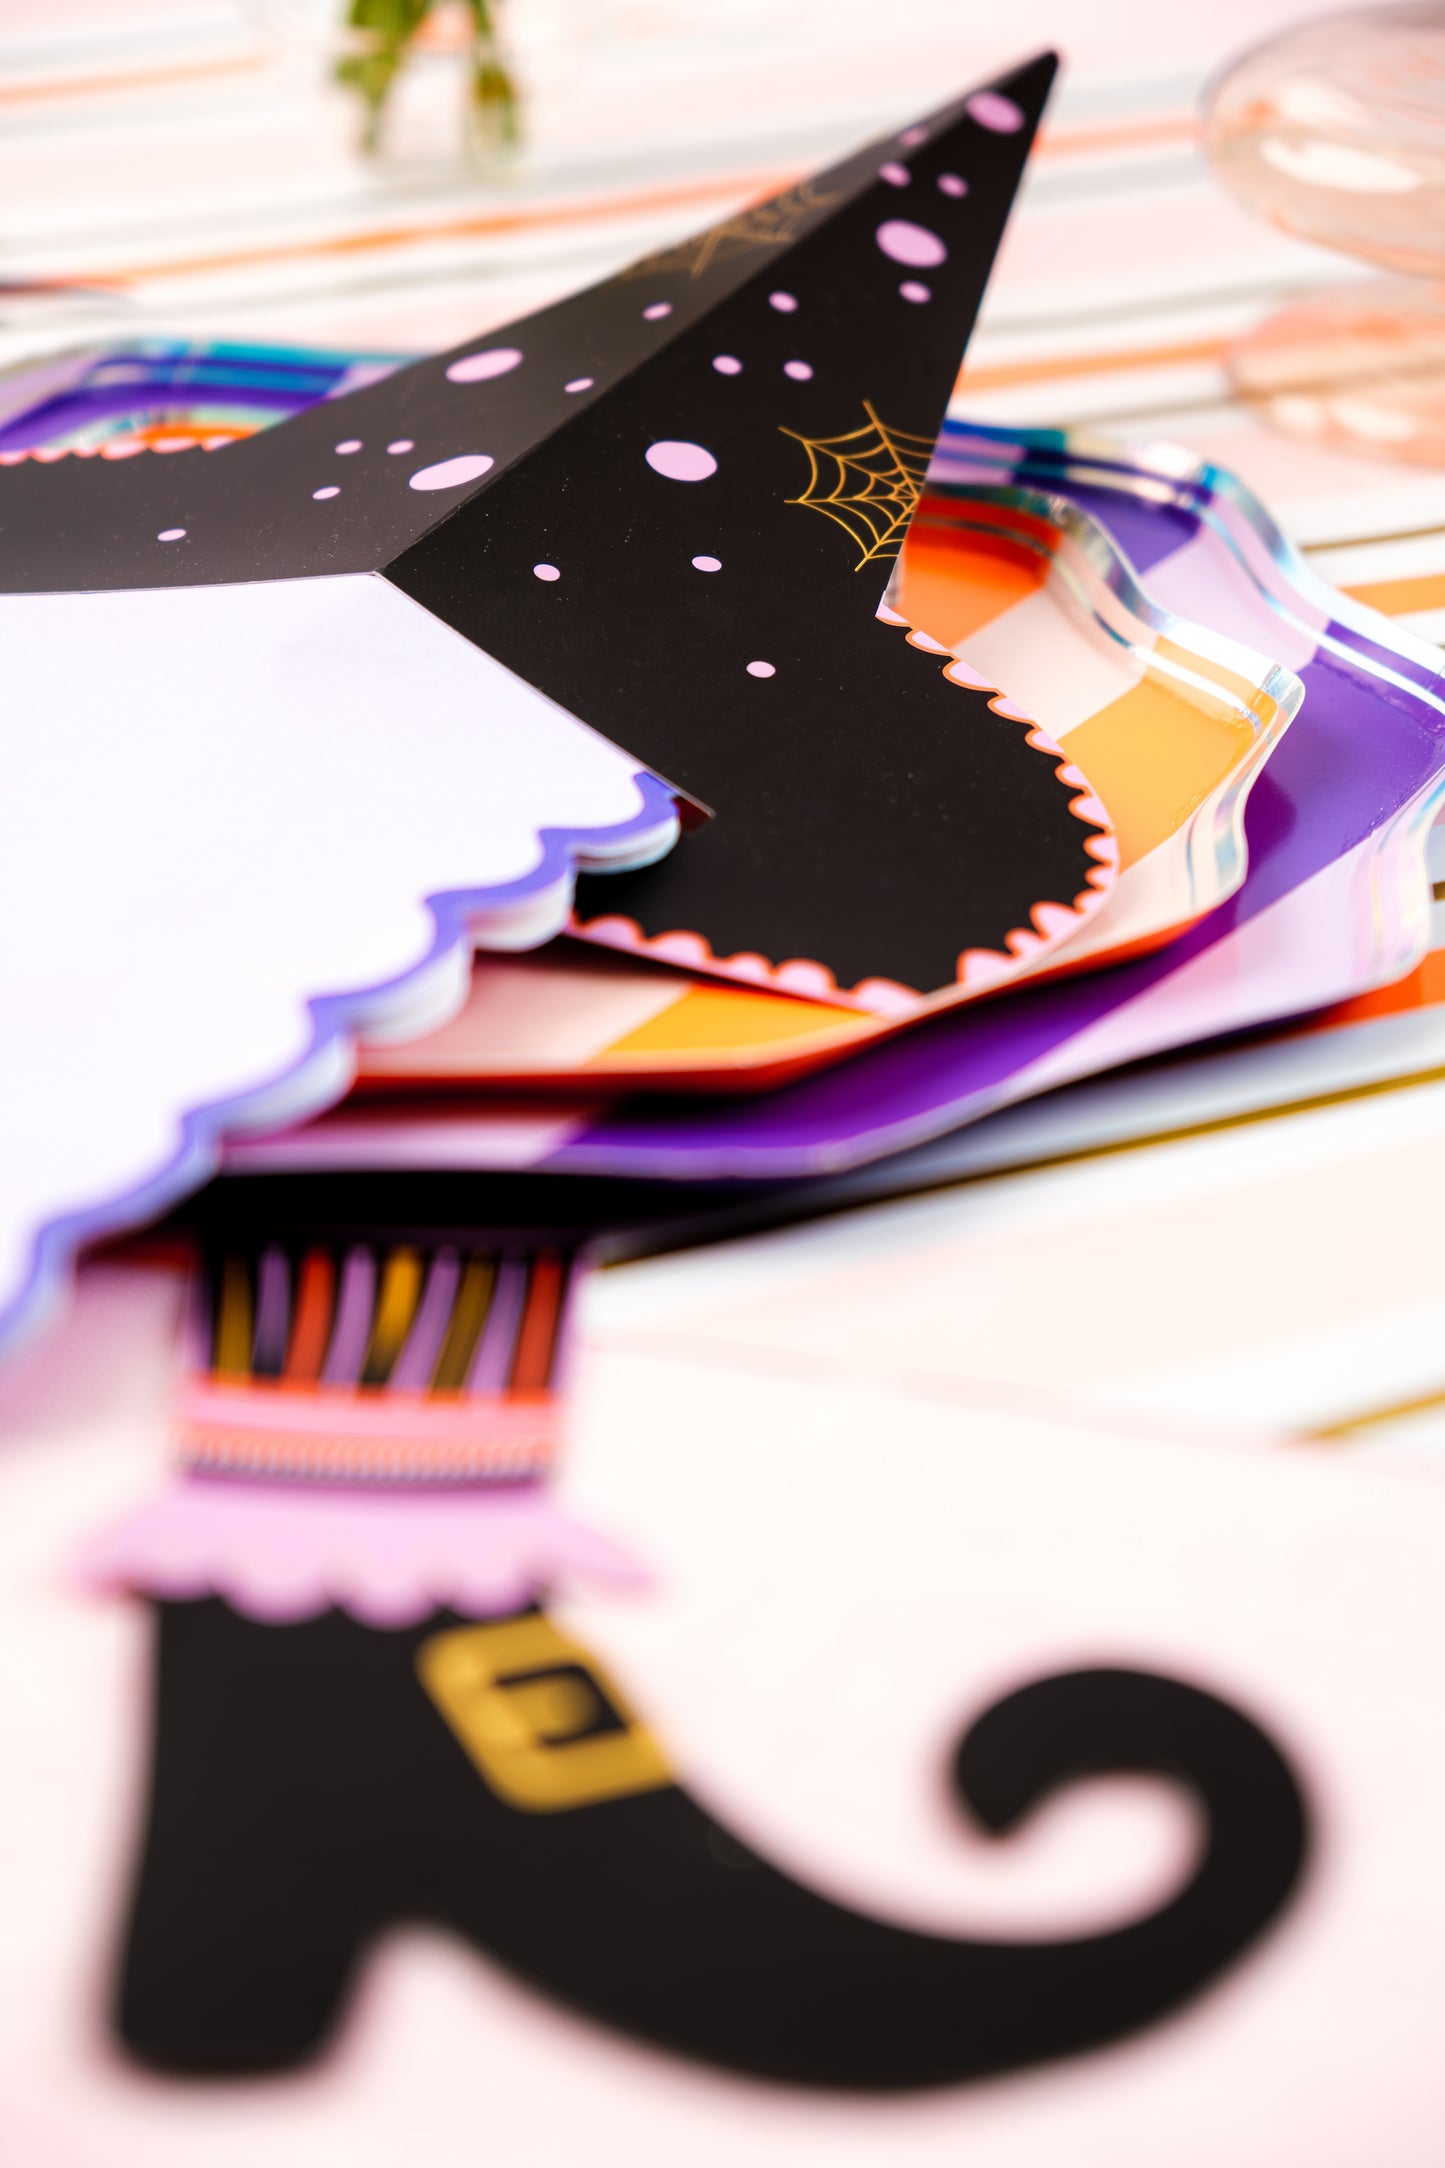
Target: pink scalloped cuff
{"type": "Point", "coordinates": [282, 1552]}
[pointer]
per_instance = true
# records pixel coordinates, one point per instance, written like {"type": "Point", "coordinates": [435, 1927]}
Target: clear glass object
{"type": "Point", "coordinates": [1336, 132]}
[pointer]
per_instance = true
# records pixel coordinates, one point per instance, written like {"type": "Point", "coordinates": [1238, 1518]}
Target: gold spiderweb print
{"type": "Point", "coordinates": [764, 225]}
{"type": "Point", "coordinates": [868, 482]}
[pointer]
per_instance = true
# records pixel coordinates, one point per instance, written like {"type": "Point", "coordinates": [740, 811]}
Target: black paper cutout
{"type": "Point", "coordinates": [307, 1793]}
{"type": "Point", "coordinates": [873, 820]}
{"type": "Point", "coordinates": [247, 510]}
{"type": "Point", "coordinates": [609, 1217]}
{"type": "Point", "coordinates": [873, 817]}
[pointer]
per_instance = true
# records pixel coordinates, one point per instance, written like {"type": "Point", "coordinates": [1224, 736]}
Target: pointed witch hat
{"type": "Point", "coordinates": [670, 505]}
{"type": "Point", "coordinates": [266, 702]}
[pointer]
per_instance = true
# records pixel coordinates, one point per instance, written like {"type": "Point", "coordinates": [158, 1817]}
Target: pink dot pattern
{"type": "Point", "coordinates": [727, 365]}
{"type": "Point", "coordinates": [895, 175]}
{"type": "Point", "coordinates": [330, 490]}
{"type": "Point", "coordinates": [707, 564]}
{"type": "Point", "coordinates": [480, 368]}
{"type": "Point", "coordinates": [546, 572]}
{"type": "Point", "coordinates": [349, 445]}
{"type": "Point", "coordinates": [171, 534]}
{"type": "Point", "coordinates": [762, 669]}
{"type": "Point", "coordinates": [453, 473]}
{"type": "Point", "coordinates": [799, 371]}
{"type": "Point", "coordinates": [953, 184]}
{"type": "Point", "coordinates": [402, 444]}
{"type": "Point", "coordinates": [914, 290]}
{"type": "Point", "coordinates": [678, 461]}
{"type": "Point", "coordinates": [908, 243]}
{"type": "Point", "coordinates": [580, 383]}
{"type": "Point", "coordinates": [993, 111]}
{"type": "Point", "coordinates": [656, 310]}
{"type": "Point", "coordinates": [783, 303]}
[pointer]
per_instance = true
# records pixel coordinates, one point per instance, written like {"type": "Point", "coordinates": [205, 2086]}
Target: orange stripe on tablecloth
{"type": "Point", "coordinates": [1043, 370]}
{"type": "Point", "coordinates": [728, 188]}
{"type": "Point", "coordinates": [1180, 127]}
{"type": "Point", "coordinates": [87, 86]}
{"type": "Point", "coordinates": [311, 1325]}
{"type": "Point", "coordinates": [537, 1334]}
{"type": "Point", "coordinates": [482, 225]}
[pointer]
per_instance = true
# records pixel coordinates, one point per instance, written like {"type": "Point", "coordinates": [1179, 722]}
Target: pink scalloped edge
{"type": "Point", "coordinates": [112, 448]}
{"type": "Point", "coordinates": [281, 1552]}
{"type": "Point", "coordinates": [1052, 923]}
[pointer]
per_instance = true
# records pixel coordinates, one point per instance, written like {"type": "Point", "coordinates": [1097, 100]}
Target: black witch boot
{"type": "Point", "coordinates": [255, 1890]}
{"type": "Point", "coordinates": [314, 1783]}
